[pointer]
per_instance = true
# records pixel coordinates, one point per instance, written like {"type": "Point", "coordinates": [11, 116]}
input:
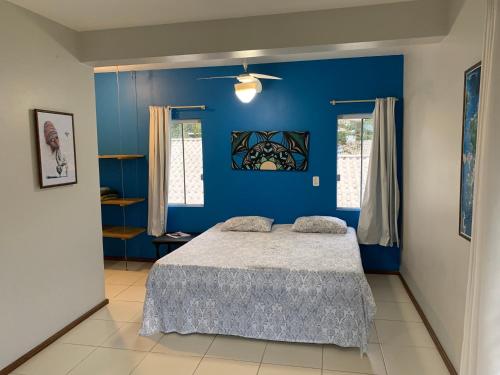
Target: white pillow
{"type": "Point", "coordinates": [248, 224]}
{"type": "Point", "coordinates": [320, 224]}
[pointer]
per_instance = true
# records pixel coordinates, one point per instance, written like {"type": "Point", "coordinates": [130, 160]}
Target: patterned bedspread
{"type": "Point", "coordinates": [281, 285]}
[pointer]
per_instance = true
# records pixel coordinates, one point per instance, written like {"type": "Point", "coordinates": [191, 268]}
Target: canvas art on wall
{"type": "Point", "coordinates": [55, 140]}
{"type": "Point", "coordinates": [270, 150]}
{"type": "Point", "coordinates": [469, 135]}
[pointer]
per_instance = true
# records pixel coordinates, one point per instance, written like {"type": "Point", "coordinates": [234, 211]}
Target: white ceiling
{"type": "Point", "coordinates": [84, 15]}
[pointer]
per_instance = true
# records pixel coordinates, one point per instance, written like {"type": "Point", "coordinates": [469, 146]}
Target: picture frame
{"type": "Point", "coordinates": [270, 150]}
{"type": "Point", "coordinates": [56, 151]}
{"type": "Point", "coordinates": [472, 82]}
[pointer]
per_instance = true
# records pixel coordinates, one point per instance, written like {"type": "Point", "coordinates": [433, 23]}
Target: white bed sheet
{"type": "Point", "coordinates": [281, 285]}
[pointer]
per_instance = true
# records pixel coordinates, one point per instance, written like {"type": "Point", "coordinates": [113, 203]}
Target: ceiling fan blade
{"type": "Point", "coordinates": [263, 76]}
{"type": "Point", "coordinates": [218, 77]}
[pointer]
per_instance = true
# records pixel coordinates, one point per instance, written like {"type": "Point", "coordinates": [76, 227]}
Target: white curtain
{"type": "Point", "coordinates": [378, 219]}
{"type": "Point", "coordinates": [481, 343]}
{"type": "Point", "coordinates": [159, 166]}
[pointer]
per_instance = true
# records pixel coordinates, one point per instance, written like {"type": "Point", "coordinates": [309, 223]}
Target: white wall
{"type": "Point", "coordinates": [488, 224]}
{"type": "Point", "coordinates": [51, 268]}
{"type": "Point", "coordinates": [481, 354]}
{"type": "Point", "coordinates": [435, 258]}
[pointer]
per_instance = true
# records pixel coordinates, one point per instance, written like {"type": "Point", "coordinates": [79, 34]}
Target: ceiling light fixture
{"type": "Point", "coordinates": [246, 91]}
{"type": "Point", "coordinates": [249, 84]}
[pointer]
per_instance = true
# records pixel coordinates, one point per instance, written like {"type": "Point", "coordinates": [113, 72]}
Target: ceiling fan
{"type": "Point", "coordinates": [249, 84]}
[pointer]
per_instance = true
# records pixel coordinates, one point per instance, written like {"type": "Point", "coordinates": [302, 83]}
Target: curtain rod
{"type": "Point", "coordinates": [335, 102]}
{"type": "Point", "coordinates": [202, 107]}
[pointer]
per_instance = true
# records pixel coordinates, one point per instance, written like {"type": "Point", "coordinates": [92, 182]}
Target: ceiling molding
{"type": "Point", "coordinates": [265, 56]}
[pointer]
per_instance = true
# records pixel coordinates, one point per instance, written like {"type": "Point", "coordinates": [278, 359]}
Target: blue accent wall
{"type": "Point", "coordinates": [299, 102]}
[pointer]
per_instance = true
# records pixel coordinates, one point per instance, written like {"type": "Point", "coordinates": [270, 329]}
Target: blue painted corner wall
{"type": "Point", "coordinates": [299, 102]}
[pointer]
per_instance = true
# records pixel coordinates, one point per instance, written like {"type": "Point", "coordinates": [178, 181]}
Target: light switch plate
{"type": "Point", "coordinates": [315, 180]}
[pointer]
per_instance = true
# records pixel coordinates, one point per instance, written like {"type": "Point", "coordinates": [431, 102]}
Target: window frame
{"type": "Point", "coordinates": [202, 177]}
{"type": "Point", "coordinates": [351, 116]}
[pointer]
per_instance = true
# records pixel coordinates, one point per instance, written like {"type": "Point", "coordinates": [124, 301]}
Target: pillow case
{"type": "Point", "coordinates": [248, 224]}
{"type": "Point", "coordinates": [320, 224]}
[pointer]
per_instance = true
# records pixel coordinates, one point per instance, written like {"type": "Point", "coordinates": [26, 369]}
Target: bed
{"type": "Point", "coordinates": [280, 285]}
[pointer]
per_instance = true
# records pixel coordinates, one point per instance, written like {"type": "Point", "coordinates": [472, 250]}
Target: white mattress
{"type": "Point", "coordinates": [281, 248]}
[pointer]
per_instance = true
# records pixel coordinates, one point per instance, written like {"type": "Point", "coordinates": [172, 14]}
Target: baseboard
{"type": "Point", "coordinates": [18, 362]}
{"type": "Point", "coordinates": [130, 259]}
{"type": "Point", "coordinates": [375, 272]}
{"type": "Point", "coordinates": [433, 335]}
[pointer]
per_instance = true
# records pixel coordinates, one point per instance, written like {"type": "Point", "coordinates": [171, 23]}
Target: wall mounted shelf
{"type": "Point", "coordinates": [121, 232]}
{"type": "Point", "coordinates": [122, 202]}
{"type": "Point", "coordinates": [121, 156]}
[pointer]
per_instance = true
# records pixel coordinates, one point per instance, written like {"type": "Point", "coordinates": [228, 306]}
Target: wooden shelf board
{"type": "Point", "coordinates": [121, 156]}
{"type": "Point", "coordinates": [120, 232]}
{"type": "Point", "coordinates": [122, 201]}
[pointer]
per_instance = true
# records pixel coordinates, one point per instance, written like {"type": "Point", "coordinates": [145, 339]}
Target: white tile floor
{"type": "Point", "coordinates": [108, 342]}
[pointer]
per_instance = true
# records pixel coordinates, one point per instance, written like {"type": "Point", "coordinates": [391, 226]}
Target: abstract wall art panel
{"type": "Point", "coordinates": [469, 135]}
{"type": "Point", "coordinates": [270, 150]}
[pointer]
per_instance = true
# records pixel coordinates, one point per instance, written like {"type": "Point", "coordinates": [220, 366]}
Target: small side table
{"type": "Point", "coordinates": [166, 240]}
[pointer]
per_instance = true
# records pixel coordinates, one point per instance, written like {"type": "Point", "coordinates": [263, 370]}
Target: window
{"type": "Point", "coordinates": [354, 143]}
{"type": "Point", "coordinates": [185, 185]}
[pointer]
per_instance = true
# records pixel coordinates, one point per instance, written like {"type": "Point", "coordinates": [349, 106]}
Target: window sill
{"type": "Point", "coordinates": [348, 209]}
{"type": "Point", "coordinates": [185, 205]}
